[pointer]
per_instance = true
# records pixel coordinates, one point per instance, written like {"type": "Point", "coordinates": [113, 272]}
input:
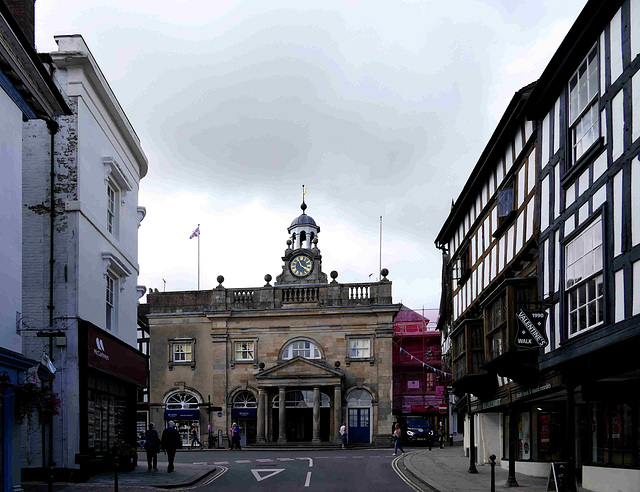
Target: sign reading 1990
{"type": "Point", "coordinates": [531, 329]}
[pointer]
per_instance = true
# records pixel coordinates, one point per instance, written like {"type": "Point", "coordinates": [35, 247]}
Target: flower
{"type": "Point", "coordinates": [31, 397]}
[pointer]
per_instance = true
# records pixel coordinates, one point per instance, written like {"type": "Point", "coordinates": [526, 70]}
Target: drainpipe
{"type": "Point", "coordinates": [53, 127]}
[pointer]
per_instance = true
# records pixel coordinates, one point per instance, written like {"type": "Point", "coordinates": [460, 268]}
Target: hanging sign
{"type": "Point", "coordinates": [531, 329]}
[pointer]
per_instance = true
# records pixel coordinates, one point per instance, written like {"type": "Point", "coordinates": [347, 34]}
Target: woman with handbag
{"type": "Point", "coordinates": [397, 435]}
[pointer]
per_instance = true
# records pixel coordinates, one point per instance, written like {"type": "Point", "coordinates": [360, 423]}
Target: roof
{"type": "Point", "coordinates": [576, 45]}
{"type": "Point", "coordinates": [303, 219]}
{"type": "Point", "coordinates": [512, 116]}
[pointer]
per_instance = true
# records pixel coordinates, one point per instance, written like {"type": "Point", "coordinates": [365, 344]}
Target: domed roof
{"type": "Point", "coordinates": [303, 219]}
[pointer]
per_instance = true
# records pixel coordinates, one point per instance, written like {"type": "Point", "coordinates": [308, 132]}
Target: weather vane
{"type": "Point", "coordinates": [304, 192]}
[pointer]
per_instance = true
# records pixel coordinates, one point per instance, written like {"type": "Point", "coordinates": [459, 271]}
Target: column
{"type": "Point", "coordinates": [513, 446]}
{"type": "Point", "coordinates": [337, 412]}
{"type": "Point", "coordinates": [472, 438]}
{"type": "Point", "coordinates": [261, 411]}
{"type": "Point", "coordinates": [316, 414]}
{"type": "Point", "coordinates": [282, 424]}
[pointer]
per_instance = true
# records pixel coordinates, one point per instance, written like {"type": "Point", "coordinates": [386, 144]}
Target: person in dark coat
{"type": "Point", "coordinates": [152, 446]}
{"type": "Point", "coordinates": [171, 441]}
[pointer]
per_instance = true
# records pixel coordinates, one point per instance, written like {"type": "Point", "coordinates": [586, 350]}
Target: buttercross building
{"type": "Point", "coordinates": [289, 361]}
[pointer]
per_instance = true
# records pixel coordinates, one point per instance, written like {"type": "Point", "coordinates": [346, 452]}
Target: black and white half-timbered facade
{"type": "Point", "coordinates": [572, 396]}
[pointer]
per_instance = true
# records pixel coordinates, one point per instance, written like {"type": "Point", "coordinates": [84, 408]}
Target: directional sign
{"type": "Point", "coordinates": [262, 473]}
{"type": "Point", "coordinates": [531, 331]}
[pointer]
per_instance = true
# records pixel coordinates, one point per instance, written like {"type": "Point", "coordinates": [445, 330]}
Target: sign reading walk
{"type": "Point", "coordinates": [531, 329]}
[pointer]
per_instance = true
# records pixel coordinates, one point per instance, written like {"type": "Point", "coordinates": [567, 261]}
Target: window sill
{"type": "Point", "coordinates": [370, 360]}
{"type": "Point", "coordinates": [507, 220]}
{"type": "Point", "coordinates": [244, 362]}
{"type": "Point", "coordinates": [585, 159]}
{"type": "Point", "coordinates": [190, 363]}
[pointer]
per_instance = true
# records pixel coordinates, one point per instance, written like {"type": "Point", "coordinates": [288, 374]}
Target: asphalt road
{"type": "Point", "coordinates": [365, 470]}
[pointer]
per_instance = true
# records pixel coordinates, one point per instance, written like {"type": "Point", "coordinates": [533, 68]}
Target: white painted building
{"type": "Point", "coordinates": [26, 91]}
{"type": "Point", "coordinates": [80, 264]}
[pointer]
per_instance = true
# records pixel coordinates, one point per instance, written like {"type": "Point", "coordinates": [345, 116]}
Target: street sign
{"type": "Point", "coordinates": [531, 331]}
{"type": "Point", "coordinates": [442, 407]}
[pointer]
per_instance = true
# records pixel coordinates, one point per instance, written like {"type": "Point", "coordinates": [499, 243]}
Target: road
{"type": "Point", "coordinates": [366, 470]}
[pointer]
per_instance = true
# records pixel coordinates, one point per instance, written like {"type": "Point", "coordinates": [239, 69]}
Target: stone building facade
{"type": "Point", "coordinates": [232, 355]}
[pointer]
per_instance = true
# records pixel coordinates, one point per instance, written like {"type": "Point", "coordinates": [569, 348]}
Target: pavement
{"type": "Point", "coordinates": [447, 470]}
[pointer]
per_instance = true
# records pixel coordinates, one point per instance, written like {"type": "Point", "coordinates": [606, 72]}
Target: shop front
{"type": "Point", "coordinates": [111, 374]}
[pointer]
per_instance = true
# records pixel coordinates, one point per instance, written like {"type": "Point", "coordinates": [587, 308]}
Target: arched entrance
{"type": "Point", "coordinates": [359, 413]}
{"type": "Point", "coordinates": [182, 408]}
{"type": "Point", "coordinates": [244, 413]}
{"type": "Point", "coordinates": [299, 405]}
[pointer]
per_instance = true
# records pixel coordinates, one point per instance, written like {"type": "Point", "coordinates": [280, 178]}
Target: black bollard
{"type": "Point", "coordinates": [50, 483]}
{"type": "Point", "coordinates": [450, 439]}
{"type": "Point", "coordinates": [430, 440]}
{"type": "Point", "coordinates": [115, 475]}
{"type": "Point", "coordinates": [493, 472]}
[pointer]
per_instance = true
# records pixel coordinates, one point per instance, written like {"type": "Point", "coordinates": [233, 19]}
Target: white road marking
{"type": "Point", "coordinates": [357, 456]}
{"type": "Point", "coordinates": [199, 462]}
{"type": "Point", "coordinates": [286, 459]}
{"type": "Point", "coordinates": [262, 474]}
{"type": "Point", "coordinates": [310, 461]}
{"type": "Point", "coordinates": [308, 481]}
{"type": "Point", "coordinates": [264, 460]}
{"type": "Point", "coordinates": [220, 462]}
{"type": "Point", "coordinates": [243, 461]}
{"type": "Point", "coordinates": [325, 457]}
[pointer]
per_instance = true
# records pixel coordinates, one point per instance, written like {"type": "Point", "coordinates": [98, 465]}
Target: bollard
{"type": "Point", "coordinates": [50, 483]}
{"type": "Point", "coordinates": [450, 439]}
{"type": "Point", "coordinates": [115, 475]}
{"type": "Point", "coordinates": [441, 439]}
{"type": "Point", "coordinates": [493, 472]}
{"type": "Point", "coordinates": [430, 440]}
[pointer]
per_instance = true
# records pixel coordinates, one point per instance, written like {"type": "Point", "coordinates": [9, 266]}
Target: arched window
{"type": "Point", "coordinates": [245, 399]}
{"type": "Point", "coordinates": [301, 348]}
{"type": "Point", "coordinates": [182, 401]}
{"type": "Point", "coordinates": [359, 398]}
{"type": "Point", "coordinates": [301, 399]}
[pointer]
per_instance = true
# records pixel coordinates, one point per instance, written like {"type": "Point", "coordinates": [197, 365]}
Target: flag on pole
{"type": "Point", "coordinates": [195, 233]}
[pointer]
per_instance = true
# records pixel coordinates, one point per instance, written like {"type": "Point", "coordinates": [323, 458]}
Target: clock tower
{"type": "Point", "coordinates": [302, 258]}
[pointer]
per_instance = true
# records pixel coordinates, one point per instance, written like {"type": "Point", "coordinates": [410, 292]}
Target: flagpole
{"type": "Point", "coordinates": [198, 256]}
{"type": "Point", "coordinates": [380, 264]}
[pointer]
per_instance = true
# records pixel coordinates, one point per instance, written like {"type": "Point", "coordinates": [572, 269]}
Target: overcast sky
{"type": "Point", "coordinates": [379, 108]}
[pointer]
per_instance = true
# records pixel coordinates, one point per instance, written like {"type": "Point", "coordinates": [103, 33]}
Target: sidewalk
{"type": "Point", "coordinates": [447, 470]}
{"type": "Point", "coordinates": [184, 475]}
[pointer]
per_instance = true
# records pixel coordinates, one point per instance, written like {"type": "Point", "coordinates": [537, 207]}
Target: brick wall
{"type": "Point", "coordinates": [24, 12]}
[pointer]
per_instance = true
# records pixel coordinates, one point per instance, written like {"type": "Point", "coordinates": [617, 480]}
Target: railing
{"type": "Point", "coordinates": [301, 294]}
{"type": "Point", "coordinates": [359, 292]}
{"type": "Point", "coordinates": [243, 296]}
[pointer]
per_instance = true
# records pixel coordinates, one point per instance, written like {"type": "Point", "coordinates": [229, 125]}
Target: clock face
{"type": "Point", "coordinates": [301, 265]}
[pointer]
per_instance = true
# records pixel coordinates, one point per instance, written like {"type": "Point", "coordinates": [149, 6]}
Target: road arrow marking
{"type": "Point", "coordinates": [262, 474]}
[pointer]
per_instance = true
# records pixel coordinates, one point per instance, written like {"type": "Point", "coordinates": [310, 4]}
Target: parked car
{"type": "Point", "coordinates": [419, 430]}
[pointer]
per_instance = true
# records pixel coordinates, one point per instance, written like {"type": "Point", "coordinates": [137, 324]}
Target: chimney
{"type": "Point", "coordinates": [24, 13]}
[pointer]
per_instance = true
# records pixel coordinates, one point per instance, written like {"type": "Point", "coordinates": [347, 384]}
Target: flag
{"type": "Point", "coordinates": [195, 233]}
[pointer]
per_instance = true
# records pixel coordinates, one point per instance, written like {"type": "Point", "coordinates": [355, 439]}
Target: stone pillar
{"type": "Point", "coordinates": [282, 425]}
{"type": "Point", "coordinates": [261, 412]}
{"type": "Point", "coordinates": [337, 412]}
{"type": "Point", "coordinates": [316, 414]}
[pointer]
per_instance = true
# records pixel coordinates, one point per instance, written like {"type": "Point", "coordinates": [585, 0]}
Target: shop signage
{"type": "Point", "coordinates": [244, 413]}
{"type": "Point", "coordinates": [111, 355]}
{"type": "Point", "coordinates": [490, 404]}
{"type": "Point", "coordinates": [531, 329]}
{"type": "Point", "coordinates": [182, 414]}
{"type": "Point", "coordinates": [521, 394]}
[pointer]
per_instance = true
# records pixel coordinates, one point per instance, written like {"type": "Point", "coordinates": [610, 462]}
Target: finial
{"type": "Point", "coordinates": [304, 205]}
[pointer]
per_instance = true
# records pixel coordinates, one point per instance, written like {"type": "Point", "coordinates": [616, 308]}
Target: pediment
{"type": "Point", "coordinates": [299, 368]}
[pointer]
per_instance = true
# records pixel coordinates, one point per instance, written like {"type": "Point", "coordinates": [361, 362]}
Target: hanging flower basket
{"type": "Point", "coordinates": [30, 398]}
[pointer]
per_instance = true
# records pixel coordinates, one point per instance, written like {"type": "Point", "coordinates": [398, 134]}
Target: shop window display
{"type": "Point", "coordinates": [612, 434]}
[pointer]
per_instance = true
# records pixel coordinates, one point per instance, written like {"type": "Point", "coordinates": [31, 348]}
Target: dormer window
{"type": "Point", "coordinates": [584, 113]}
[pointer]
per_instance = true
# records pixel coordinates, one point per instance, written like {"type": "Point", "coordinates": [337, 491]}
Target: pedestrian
{"type": "Point", "coordinates": [343, 433]}
{"type": "Point", "coordinates": [397, 435]}
{"type": "Point", "coordinates": [152, 446]}
{"type": "Point", "coordinates": [171, 441]}
{"type": "Point", "coordinates": [235, 436]}
{"type": "Point", "coordinates": [194, 438]}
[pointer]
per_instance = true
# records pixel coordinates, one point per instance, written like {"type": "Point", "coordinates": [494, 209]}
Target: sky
{"type": "Point", "coordinates": [380, 108]}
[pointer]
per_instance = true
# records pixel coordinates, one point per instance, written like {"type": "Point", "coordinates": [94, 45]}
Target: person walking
{"type": "Point", "coordinates": [194, 438]}
{"type": "Point", "coordinates": [397, 435]}
{"type": "Point", "coordinates": [171, 441]}
{"type": "Point", "coordinates": [343, 433]}
{"type": "Point", "coordinates": [235, 436]}
{"type": "Point", "coordinates": [152, 446]}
